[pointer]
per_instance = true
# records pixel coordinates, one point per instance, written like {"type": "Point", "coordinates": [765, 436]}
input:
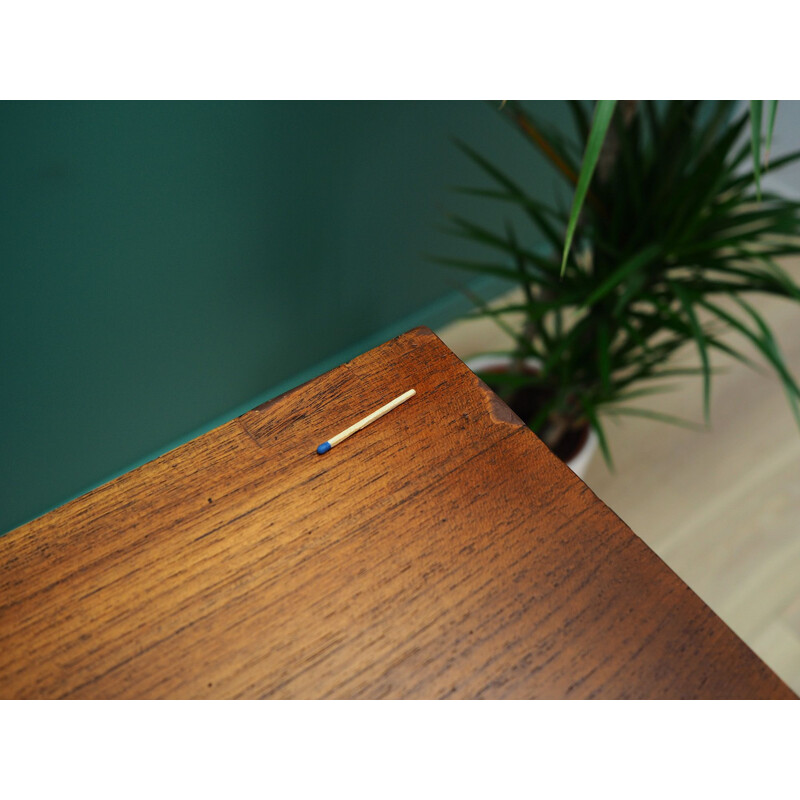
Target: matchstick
{"type": "Point", "coordinates": [362, 423]}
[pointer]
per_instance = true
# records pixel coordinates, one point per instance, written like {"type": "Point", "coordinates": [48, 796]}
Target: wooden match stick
{"type": "Point", "coordinates": [362, 423]}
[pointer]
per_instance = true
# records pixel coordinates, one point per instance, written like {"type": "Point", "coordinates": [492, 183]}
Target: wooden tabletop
{"type": "Point", "coordinates": [440, 552]}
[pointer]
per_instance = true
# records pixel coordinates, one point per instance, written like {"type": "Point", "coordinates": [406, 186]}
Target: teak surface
{"type": "Point", "coordinates": [440, 552]}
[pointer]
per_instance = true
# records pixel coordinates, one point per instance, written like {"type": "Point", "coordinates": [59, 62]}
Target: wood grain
{"type": "Point", "coordinates": [720, 507]}
{"type": "Point", "coordinates": [440, 552]}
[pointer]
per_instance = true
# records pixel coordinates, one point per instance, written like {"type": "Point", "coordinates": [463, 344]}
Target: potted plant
{"type": "Point", "coordinates": [667, 236]}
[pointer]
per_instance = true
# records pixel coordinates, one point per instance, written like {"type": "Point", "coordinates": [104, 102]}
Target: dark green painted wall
{"type": "Point", "coordinates": [166, 264]}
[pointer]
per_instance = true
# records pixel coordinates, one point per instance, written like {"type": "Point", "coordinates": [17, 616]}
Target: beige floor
{"type": "Point", "coordinates": [721, 507]}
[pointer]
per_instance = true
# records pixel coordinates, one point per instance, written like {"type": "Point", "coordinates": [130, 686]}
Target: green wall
{"type": "Point", "coordinates": [167, 265]}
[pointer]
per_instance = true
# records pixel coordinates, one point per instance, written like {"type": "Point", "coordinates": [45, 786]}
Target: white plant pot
{"type": "Point", "coordinates": [579, 463]}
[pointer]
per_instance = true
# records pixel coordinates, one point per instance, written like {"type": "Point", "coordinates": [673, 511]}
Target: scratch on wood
{"type": "Point", "coordinates": [244, 427]}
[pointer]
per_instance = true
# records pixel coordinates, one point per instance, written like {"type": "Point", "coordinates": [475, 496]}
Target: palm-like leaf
{"type": "Point", "coordinates": [597, 134]}
{"type": "Point", "coordinates": [674, 233]}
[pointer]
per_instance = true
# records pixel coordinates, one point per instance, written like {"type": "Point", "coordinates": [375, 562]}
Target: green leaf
{"type": "Point", "coordinates": [635, 336]}
{"type": "Point", "coordinates": [537, 212]}
{"type": "Point", "coordinates": [766, 345]}
{"type": "Point", "coordinates": [745, 180]}
{"type": "Point", "coordinates": [489, 168]}
{"type": "Point", "coordinates": [695, 190]}
{"type": "Point", "coordinates": [676, 371]}
{"type": "Point", "coordinates": [604, 356]}
{"type": "Point", "coordinates": [603, 112]}
{"type": "Point", "coordinates": [789, 385]}
{"type": "Point", "coordinates": [621, 396]}
{"type": "Point", "coordinates": [536, 422]}
{"type": "Point", "coordinates": [522, 344]}
{"type": "Point", "coordinates": [581, 119]}
{"type": "Point", "coordinates": [595, 423]}
{"type": "Point", "coordinates": [734, 353]}
{"type": "Point", "coordinates": [771, 279]}
{"type": "Point", "coordinates": [702, 348]}
{"type": "Point", "coordinates": [677, 221]}
{"type": "Point", "coordinates": [636, 262]}
{"type": "Point", "coordinates": [777, 217]}
{"type": "Point", "coordinates": [481, 267]}
{"type": "Point", "coordinates": [656, 415]}
{"type": "Point", "coordinates": [470, 230]}
{"type": "Point", "coordinates": [756, 107]}
{"type": "Point", "coordinates": [539, 307]}
{"type": "Point", "coordinates": [769, 341]}
{"type": "Point", "coordinates": [782, 277]}
{"type": "Point", "coordinates": [720, 116]}
{"type": "Point", "coordinates": [772, 110]}
{"type": "Point", "coordinates": [565, 342]}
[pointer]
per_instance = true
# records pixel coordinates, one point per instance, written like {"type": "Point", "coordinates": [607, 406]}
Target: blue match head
{"type": "Point", "coordinates": [323, 448]}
